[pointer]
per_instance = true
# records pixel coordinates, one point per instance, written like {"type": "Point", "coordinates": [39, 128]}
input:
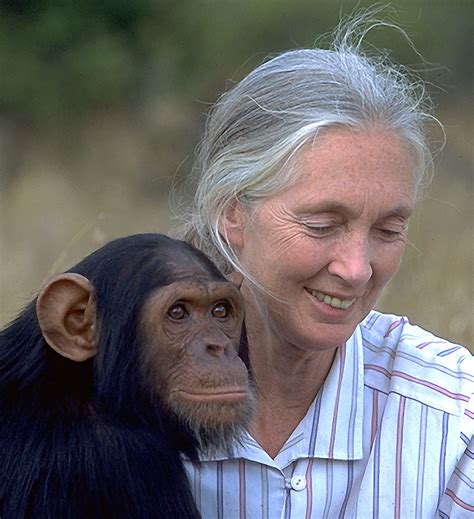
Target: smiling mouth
{"type": "Point", "coordinates": [334, 302]}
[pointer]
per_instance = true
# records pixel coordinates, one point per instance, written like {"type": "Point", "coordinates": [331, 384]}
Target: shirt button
{"type": "Point", "coordinates": [298, 482]}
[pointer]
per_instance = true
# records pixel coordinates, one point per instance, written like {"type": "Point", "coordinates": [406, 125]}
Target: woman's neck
{"type": "Point", "coordinates": [287, 380]}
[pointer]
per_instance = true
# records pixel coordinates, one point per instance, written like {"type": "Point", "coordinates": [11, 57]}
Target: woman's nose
{"type": "Point", "coordinates": [352, 261]}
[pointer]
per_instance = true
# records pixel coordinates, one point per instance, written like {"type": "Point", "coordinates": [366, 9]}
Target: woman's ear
{"type": "Point", "coordinates": [67, 316]}
{"type": "Point", "coordinates": [232, 225]}
{"type": "Point", "coordinates": [236, 278]}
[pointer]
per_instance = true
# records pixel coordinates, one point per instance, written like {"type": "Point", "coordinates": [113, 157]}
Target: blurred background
{"type": "Point", "coordinates": [102, 104]}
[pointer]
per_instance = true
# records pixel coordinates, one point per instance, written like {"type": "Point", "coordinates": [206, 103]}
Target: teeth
{"type": "Point", "coordinates": [335, 302]}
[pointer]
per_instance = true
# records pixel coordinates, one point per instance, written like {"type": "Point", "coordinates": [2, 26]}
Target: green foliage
{"type": "Point", "coordinates": [64, 58]}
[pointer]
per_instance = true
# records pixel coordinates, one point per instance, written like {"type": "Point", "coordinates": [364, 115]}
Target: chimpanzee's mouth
{"type": "Point", "coordinates": [233, 394]}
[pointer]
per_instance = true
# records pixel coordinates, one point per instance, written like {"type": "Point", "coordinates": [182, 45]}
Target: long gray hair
{"type": "Point", "coordinates": [255, 130]}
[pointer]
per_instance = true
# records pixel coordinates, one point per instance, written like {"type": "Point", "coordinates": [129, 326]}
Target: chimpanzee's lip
{"type": "Point", "coordinates": [226, 395]}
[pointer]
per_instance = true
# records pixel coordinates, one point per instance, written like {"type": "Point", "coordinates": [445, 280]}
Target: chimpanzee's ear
{"type": "Point", "coordinates": [67, 316]}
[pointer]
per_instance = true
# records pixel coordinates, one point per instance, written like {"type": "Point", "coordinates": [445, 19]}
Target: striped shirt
{"type": "Point", "coordinates": [389, 435]}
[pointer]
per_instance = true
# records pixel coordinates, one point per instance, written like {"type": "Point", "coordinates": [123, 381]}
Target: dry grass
{"type": "Point", "coordinates": [434, 286]}
{"type": "Point", "coordinates": [50, 219]}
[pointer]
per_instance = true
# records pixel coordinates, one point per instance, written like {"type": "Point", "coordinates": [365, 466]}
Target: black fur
{"type": "Point", "coordinates": [89, 440]}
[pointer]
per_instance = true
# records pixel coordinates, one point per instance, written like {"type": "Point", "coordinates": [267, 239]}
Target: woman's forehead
{"type": "Point", "coordinates": [342, 153]}
{"type": "Point", "coordinates": [340, 144]}
{"type": "Point", "coordinates": [346, 166]}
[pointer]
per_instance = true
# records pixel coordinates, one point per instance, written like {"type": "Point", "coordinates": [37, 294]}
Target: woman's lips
{"type": "Point", "coordinates": [334, 302]}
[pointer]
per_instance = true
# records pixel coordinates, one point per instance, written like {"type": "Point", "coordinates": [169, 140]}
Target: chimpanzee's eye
{"type": "Point", "coordinates": [221, 310]}
{"type": "Point", "coordinates": [177, 312]}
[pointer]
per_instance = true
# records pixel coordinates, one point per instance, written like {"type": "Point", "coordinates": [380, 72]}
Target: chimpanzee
{"type": "Point", "coordinates": [118, 368]}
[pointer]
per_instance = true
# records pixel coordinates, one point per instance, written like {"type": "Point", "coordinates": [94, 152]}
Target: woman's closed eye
{"type": "Point", "coordinates": [320, 230]}
{"type": "Point", "coordinates": [392, 234]}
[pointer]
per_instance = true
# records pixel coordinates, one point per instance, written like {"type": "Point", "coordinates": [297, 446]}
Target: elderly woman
{"type": "Point", "coordinates": [308, 173]}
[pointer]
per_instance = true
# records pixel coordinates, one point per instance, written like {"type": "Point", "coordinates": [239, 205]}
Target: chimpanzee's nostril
{"type": "Point", "coordinates": [215, 349]}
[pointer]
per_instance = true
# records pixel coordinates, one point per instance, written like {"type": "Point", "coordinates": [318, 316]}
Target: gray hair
{"type": "Point", "coordinates": [255, 130]}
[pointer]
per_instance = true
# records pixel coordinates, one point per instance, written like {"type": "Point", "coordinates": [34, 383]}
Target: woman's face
{"type": "Point", "coordinates": [327, 245]}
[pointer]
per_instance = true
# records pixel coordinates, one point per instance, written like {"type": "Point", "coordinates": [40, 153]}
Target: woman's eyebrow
{"type": "Point", "coordinates": [405, 211]}
{"type": "Point", "coordinates": [326, 206]}
{"type": "Point", "coordinates": [336, 206]}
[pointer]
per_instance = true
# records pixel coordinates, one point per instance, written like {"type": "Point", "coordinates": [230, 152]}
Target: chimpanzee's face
{"type": "Point", "coordinates": [193, 330]}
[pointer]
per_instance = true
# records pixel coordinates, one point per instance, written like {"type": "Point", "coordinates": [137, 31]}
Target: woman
{"type": "Point", "coordinates": [306, 179]}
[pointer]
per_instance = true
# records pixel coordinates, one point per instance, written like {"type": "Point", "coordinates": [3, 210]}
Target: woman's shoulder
{"type": "Point", "coordinates": [397, 333]}
{"type": "Point", "coordinates": [405, 358]}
